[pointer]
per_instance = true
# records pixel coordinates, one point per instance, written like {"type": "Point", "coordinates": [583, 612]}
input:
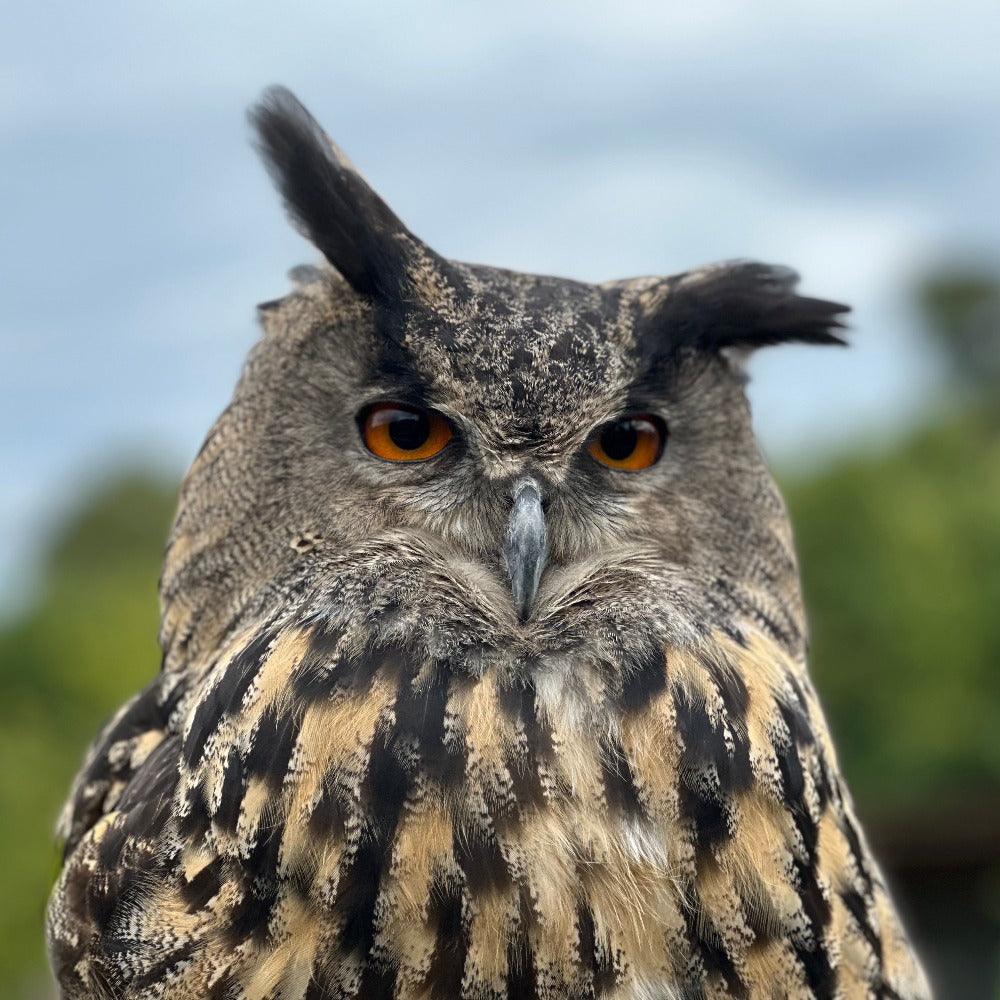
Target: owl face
{"type": "Point", "coordinates": [513, 387]}
{"type": "Point", "coordinates": [528, 434]}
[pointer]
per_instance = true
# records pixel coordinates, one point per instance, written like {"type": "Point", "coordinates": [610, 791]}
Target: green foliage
{"type": "Point", "coordinates": [900, 557]}
{"type": "Point", "coordinates": [88, 644]}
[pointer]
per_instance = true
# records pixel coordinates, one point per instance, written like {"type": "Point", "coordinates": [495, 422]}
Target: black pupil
{"type": "Point", "coordinates": [619, 439]}
{"type": "Point", "coordinates": [408, 429]}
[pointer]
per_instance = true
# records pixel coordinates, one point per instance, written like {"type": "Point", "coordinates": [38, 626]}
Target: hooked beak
{"type": "Point", "coordinates": [525, 545]}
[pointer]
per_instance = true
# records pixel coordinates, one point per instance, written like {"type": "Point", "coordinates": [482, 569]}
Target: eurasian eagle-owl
{"type": "Point", "coordinates": [484, 656]}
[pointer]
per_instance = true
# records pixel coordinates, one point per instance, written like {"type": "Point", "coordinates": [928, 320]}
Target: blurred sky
{"type": "Point", "coordinates": [858, 142]}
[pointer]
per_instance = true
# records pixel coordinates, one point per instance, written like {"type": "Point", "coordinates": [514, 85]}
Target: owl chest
{"type": "Point", "coordinates": [512, 834]}
{"type": "Point", "coordinates": [463, 830]}
{"type": "Point", "coordinates": [502, 870]}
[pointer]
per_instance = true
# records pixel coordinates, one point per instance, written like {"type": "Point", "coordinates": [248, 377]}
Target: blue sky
{"type": "Point", "coordinates": [858, 143]}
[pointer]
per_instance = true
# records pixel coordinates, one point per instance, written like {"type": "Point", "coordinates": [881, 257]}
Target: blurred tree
{"type": "Point", "coordinates": [899, 557]}
{"type": "Point", "coordinates": [961, 311]}
{"type": "Point", "coordinates": [88, 644]}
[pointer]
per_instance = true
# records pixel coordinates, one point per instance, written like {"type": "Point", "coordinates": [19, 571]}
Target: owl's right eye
{"type": "Point", "coordinates": [403, 433]}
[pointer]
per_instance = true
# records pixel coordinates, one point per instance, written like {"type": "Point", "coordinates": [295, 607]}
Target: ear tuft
{"type": "Point", "coordinates": [743, 304]}
{"type": "Point", "coordinates": [328, 201]}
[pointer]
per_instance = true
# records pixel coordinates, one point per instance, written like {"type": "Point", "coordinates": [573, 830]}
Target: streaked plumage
{"type": "Point", "coordinates": [367, 770]}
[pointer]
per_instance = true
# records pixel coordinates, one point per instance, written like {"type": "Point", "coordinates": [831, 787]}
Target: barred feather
{"type": "Point", "coordinates": [333, 811]}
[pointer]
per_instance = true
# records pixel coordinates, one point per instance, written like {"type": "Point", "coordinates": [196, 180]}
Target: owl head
{"type": "Point", "coordinates": [536, 442]}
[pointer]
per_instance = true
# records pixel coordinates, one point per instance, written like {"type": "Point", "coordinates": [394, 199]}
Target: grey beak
{"type": "Point", "coordinates": [525, 545]}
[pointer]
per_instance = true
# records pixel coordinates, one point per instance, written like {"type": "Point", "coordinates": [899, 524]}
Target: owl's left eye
{"type": "Point", "coordinates": [403, 433]}
{"type": "Point", "coordinates": [632, 443]}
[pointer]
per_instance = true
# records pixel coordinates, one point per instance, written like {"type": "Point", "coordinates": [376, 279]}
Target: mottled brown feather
{"type": "Point", "coordinates": [361, 773]}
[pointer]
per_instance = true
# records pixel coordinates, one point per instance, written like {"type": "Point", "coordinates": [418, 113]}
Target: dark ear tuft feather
{"type": "Point", "coordinates": [327, 199]}
{"type": "Point", "coordinates": [742, 304]}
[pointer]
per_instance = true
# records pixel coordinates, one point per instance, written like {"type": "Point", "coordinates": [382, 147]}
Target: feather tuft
{"type": "Point", "coordinates": [328, 201]}
{"type": "Point", "coordinates": [741, 304]}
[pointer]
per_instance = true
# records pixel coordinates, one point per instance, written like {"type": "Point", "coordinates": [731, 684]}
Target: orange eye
{"type": "Point", "coordinates": [631, 443]}
{"type": "Point", "coordinates": [403, 433]}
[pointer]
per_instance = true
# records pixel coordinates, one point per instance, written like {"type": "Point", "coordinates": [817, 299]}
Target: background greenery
{"type": "Point", "coordinates": [900, 551]}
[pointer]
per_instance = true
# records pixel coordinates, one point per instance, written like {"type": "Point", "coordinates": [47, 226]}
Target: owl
{"type": "Point", "coordinates": [484, 659]}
